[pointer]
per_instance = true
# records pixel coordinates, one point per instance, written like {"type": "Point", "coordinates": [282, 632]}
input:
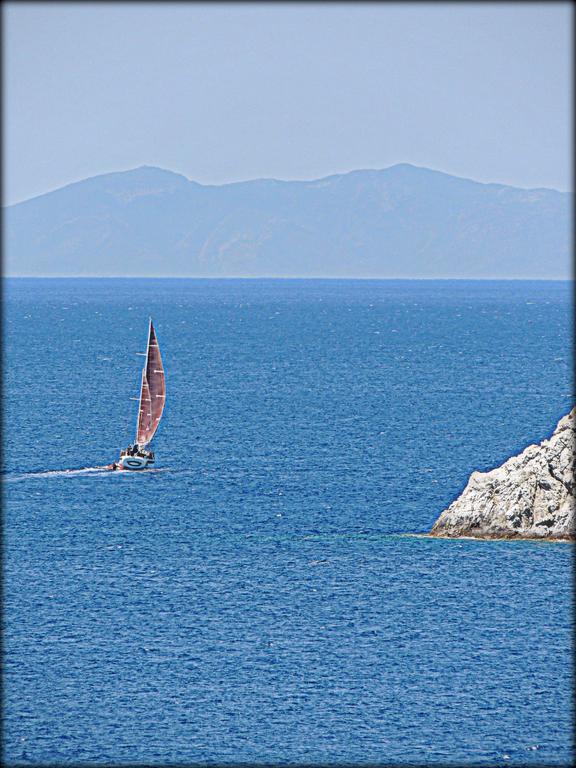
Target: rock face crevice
{"type": "Point", "coordinates": [531, 495]}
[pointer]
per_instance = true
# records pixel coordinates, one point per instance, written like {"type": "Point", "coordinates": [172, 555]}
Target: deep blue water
{"type": "Point", "coordinates": [255, 599]}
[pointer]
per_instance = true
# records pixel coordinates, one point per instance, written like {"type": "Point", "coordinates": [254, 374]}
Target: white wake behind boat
{"type": "Point", "coordinates": [150, 408]}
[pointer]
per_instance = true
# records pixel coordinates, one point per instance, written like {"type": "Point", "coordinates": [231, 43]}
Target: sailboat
{"type": "Point", "coordinates": [150, 407]}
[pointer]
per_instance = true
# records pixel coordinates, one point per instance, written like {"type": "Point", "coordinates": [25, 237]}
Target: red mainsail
{"type": "Point", "coordinates": [152, 392]}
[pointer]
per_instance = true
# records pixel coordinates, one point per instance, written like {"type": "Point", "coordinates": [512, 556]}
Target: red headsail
{"type": "Point", "coordinates": [152, 393]}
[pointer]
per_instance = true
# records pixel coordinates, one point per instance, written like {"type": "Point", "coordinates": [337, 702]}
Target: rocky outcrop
{"type": "Point", "coordinates": [531, 495]}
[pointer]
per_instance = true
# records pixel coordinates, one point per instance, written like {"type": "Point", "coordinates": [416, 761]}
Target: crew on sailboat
{"type": "Point", "coordinates": [135, 450]}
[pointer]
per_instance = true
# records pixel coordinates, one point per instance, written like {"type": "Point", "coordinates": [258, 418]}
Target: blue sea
{"type": "Point", "coordinates": [262, 596]}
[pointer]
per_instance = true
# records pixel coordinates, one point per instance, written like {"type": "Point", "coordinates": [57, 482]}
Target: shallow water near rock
{"type": "Point", "coordinates": [255, 598]}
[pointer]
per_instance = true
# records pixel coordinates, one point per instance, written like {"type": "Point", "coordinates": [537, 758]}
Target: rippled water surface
{"type": "Point", "coordinates": [256, 598]}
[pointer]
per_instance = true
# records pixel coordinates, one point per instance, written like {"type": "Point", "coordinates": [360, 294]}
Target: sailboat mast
{"type": "Point", "coordinates": [139, 405]}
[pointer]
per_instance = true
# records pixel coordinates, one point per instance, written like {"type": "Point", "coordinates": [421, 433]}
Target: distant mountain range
{"type": "Point", "coordinates": [401, 221]}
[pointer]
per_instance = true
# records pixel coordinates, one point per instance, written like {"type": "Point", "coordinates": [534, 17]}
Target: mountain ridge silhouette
{"type": "Point", "coordinates": [403, 221]}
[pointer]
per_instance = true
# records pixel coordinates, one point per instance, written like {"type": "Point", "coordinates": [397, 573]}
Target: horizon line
{"type": "Point", "coordinates": [294, 277]}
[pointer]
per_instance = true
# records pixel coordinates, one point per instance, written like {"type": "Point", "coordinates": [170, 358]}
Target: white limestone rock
{"type": "Point", "coordinates": [531, 495]}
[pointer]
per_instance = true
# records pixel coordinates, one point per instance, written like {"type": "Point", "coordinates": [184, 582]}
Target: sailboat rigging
{"type": "Point", "coordinates": [150, 407]}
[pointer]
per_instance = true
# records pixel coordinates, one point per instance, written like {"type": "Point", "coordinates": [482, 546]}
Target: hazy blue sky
{"type": "Point", "coordinates": [223, 92]}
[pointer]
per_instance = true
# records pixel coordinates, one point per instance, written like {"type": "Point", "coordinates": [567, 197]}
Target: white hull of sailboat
{"type": "Point", "coordinates": [135, 462]}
